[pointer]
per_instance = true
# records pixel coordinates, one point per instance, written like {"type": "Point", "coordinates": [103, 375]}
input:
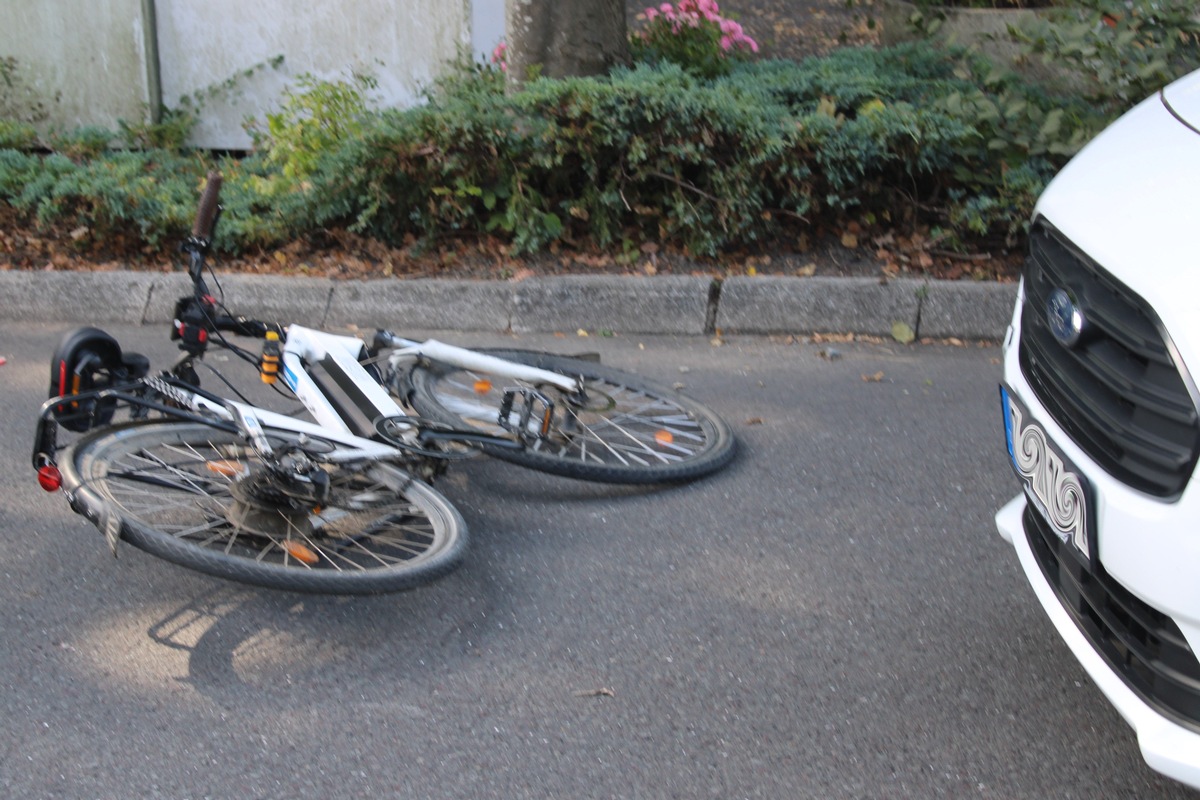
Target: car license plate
{"type": "Point", "coordinates": [1052, 482]}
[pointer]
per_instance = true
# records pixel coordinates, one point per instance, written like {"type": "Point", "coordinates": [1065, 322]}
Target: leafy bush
{"type": "Point", "coordinates": [149, 194]}
{"type": "Point", "coordinates": [17, 135]}
{"type": "Point", "coordinates": [316, 117]}
{"type": "Point", "coordinates": [653, 153]}
{"type": "Point", "coordinates": [169, 133]}
{"type": "Point", "coordinates": [82, 144]}
{"type": "Point", "coordinates": [650, 153]}
{"type": "Point", "coordinates": [1116, 52]}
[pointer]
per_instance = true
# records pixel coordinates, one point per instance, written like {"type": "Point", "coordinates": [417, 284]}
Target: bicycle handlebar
{"type": "Point", "coordinates": [206, 214]}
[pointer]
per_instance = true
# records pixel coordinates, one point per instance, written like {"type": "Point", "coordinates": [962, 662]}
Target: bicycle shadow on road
{"type": "Point", "coordinates": [247, 646]}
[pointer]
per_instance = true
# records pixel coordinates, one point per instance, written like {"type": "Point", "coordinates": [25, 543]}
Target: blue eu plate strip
{"type": "Point", "coordinates": [1008, 431]}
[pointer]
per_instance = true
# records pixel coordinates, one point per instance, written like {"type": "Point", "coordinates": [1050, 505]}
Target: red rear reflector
{"type": "Point", "coordinates": [49, 478]}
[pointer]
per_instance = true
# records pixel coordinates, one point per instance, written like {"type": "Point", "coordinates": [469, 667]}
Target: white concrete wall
{"type": "Point", "coordinates": [487, 27]}
{"type": "Point", "coordinates": [403, 43]}
{"type": "Point", "coordinates": [83, 59]}
{"type": "Point", "coordinates": [87, 58]}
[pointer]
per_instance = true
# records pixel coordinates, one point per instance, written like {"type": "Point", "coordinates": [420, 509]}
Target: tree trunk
{"type": "Point", "coordinates": [564, 38]}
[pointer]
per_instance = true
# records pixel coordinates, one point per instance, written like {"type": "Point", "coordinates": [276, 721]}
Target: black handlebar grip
{"type": "Point", "coordinates": [206, 214]}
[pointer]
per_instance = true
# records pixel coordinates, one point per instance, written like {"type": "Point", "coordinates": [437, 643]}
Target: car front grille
{"type": "Point", "coordinates": [1118, 392]}
{"type": "Point", "coordinates": [1144, 646]}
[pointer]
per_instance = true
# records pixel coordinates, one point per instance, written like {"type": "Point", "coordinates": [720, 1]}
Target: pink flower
{"type": "Point", "coordinates": [696, 14]}
{"type": "Point", "coordinates": [498, 56]}
{"type": "Point", "coordinates": [708, 9]}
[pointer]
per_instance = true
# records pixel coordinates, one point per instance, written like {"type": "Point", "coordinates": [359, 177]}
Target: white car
{"type": "Point", "coordinates": [1100, 411]}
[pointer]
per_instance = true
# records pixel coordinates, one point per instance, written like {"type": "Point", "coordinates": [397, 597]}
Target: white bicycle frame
{"type": "Point", "coordinates": [339, 356]}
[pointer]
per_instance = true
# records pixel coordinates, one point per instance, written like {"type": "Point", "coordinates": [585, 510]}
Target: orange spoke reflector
{"type": "Point", "coordinates": [299, 551]}
{"type": "Point", "coordinates": [227, 468]}
{"type": "Point", "coordinates": [483, 386]}
{"type": "Point", "coordinates": [664, 437]}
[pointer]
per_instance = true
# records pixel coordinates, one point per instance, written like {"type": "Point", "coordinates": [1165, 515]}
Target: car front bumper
{"type": "Point", "coordinates": [1148, 552]}
{"type": "Point", "coordinates": [1166, 746]}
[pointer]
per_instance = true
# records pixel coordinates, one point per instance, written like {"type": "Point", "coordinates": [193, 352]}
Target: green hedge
{"type": "Point", "coordinates": [646, 154]}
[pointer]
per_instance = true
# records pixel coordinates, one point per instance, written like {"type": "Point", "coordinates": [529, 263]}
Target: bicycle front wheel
{"type": "Point", "coordinates": [201, 498]}
{"type": "Point", "coordinates": [627, 430]}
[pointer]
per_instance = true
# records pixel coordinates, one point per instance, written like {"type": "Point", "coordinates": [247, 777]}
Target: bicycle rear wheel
{"type": "Point", "coordinates": [201, 498]}
{"type": "Point", "coordinates": [629, 430]}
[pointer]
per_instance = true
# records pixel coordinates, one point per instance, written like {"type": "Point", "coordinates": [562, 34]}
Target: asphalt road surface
{"type": "Point", "coordinates": [833, 616]}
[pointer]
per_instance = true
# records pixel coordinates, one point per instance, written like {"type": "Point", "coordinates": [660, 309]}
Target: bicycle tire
{"type": "Point", "coordinates": [170, 486]}
{"type": "Point", "coordinates": [650, 434]}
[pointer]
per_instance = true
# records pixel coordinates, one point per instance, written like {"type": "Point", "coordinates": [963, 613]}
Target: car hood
{"type": "Point", "coordinates": [1131, 200]}
{"type": "Point", "coordinates": [1182, 99]}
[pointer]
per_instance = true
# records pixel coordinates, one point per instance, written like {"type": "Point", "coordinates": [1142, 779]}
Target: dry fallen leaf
{"type": "Point", "coordinates": [807, 271]}
{"type": "Point", "coordinates": [601, 692]}
{"type": "Point", "coordinates": [820, 338]}
{"type": "Point", "coordinates": [903, 333]}
{"type": "Point", "coordinates": [876, 378]}
{"type": "Point", "coordinates": [755, 421]}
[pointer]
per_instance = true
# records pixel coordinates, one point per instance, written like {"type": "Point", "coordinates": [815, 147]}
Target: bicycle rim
{"type": "Point", "coordinates": [630, 431]}
{"type": "Point", "coordinates": [179, 492]}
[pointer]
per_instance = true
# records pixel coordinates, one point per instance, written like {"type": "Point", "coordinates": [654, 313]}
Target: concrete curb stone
{"type": "Point", "coordinates": [666, 304]}
{"type": "Point", "coordinates": [966, 310]}
{"type": "Point", "coordinates": [433, 304]}
{"type": "Point", "coordinates": [268, 297]}
{"type": "Point", "coordinates": [766, 305]}
{"type": "Point", "coordinates": [83, 297]}
{"type": "Point", "coordinates": [669, 304]}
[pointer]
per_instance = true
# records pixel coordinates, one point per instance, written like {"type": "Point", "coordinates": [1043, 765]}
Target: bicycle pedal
{"type": "Point", "coordinates": [529, 419]}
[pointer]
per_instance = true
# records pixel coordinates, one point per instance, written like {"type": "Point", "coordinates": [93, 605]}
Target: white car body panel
{"type": "Point", "coordinates": [1129, 201]}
